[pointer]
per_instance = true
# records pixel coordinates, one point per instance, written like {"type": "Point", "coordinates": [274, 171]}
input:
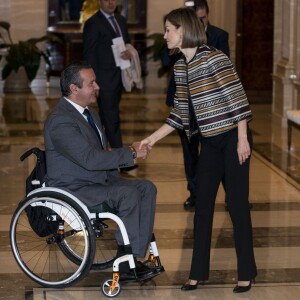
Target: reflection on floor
{"type": "Point", "coordinates": [274, 193]}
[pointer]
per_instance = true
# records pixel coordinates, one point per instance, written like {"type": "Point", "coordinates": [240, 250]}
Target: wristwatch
{"type": "Point", "coordinates": [133, 152]}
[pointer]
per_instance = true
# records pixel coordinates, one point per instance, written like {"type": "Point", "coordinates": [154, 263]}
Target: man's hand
{"type": "Point", "coordinates": [125, 55]}
{"type": "Point", "coordinates": [141, 152]}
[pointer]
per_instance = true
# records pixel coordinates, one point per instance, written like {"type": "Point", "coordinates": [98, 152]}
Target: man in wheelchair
{"type": "Point", "coordinates": [79, 161]}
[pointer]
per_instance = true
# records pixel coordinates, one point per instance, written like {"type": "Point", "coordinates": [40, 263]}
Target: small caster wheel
{"type": "Point", "coordinates": [106, 288]}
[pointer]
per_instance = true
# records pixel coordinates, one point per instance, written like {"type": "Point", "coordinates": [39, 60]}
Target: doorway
{"type": "Point", "coordinates": [254, 48]}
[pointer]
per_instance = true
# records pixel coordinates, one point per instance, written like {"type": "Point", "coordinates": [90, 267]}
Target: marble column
{"type": "Point", "coordinates": [285, 57]}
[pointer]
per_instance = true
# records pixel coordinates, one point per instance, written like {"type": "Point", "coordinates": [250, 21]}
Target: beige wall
{"type": "Point", "coordinates": [27, 18]}
{"type": "Point", "coordinates": [156, 10]}
{"type": "Point", "coordinates": [4, 10]}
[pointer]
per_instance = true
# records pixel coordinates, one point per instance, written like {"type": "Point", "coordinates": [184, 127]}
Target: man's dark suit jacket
{"type": "Point", "coordinates": [216, 37]}
{"type": "Point", "coordinates": [97, 41]}
{"type": "Point", "coordinates": [75, 160]}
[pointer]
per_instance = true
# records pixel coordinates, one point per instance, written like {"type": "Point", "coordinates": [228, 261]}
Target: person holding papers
{"type": "Point", "coordinates": [103, 30]}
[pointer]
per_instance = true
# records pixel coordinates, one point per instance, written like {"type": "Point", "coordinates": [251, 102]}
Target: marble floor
{"type": "Point", "coordinates": [274, 193]}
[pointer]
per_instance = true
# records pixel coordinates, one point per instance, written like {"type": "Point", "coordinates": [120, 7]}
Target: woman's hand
{"type": "Point", "coordinates": [157, 135]}
{"type": "Point", "coordinates": [148, 143]}
{"type": "Point", "coordinates": [243, 149]}
{"type": "Point", "coordinates": [141, 152]}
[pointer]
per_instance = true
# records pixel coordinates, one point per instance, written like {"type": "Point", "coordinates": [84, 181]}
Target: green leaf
{"type": "Point", "coordinates": [25, 53]}
{"type": "Point", "coordinates": [5, 25]}
{"type": "Point", "coordinates": [6, 71]}
{"type": "Point", "coordinates": [158, 45]}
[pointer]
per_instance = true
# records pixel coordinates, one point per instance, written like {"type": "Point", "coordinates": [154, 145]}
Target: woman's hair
{"type": "Point", "coordinates": [193, 32]}
{"type": "Point", "coordinates": [71, 75]}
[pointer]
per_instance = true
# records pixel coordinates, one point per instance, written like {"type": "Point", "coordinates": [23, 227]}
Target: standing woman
{"type": "Point", "coordinates": [210, 102]}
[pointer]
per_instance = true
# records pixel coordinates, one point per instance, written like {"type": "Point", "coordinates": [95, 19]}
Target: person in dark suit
{"type": "Point", "coordinates": [217, 38]}
{"type": "Point", "coordinates": [79, 161]}
{"type": "Point", "coordinates": [98, 33]}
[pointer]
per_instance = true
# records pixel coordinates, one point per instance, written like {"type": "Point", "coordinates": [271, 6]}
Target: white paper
{"type": "Point", "coordinates": [118, 47]}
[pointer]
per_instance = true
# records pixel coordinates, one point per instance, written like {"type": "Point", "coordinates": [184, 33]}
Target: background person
{"type": "Point", "coordinates": [98, 33]}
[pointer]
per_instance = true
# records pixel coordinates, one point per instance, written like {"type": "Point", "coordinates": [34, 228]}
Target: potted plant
{"type": "Point", "coordinates": [155, 50]}
{"type": "Point", "coordinates": [22, 55]}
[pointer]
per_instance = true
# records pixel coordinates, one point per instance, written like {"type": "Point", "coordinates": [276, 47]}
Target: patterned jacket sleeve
{"type": "Point", "coordinates": [174, 119]}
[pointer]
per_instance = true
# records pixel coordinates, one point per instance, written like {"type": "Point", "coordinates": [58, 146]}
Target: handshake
{"type": "Point", "coordinates": [142, 149]}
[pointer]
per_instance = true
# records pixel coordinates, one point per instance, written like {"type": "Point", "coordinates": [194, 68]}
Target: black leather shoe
{"type": "Point", "coordinates": [153, 266]}
{"type": "Point", "coordinates": [142, 268]}
{"type": "Point", "coordinates": [142, 273]}
{"type": "Point", "coordinates": [189, 287]}
{"type": "Point", "coordinates": [243, 289]}
{"type": "Point", "coordinates": [190, 201]}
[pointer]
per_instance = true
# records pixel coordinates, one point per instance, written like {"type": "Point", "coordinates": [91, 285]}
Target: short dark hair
{"type": "Point", "coordinates": [193, 32]}
{"type": "Point", "coordinates": [71, 75]}
{"type": "Point", "coordinates": [201, 4]}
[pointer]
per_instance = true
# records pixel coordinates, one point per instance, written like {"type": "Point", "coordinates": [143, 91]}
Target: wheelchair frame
{"type": "Point", "coordinates": [65, 256]}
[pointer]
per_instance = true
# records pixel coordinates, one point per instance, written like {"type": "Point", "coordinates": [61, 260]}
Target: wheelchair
{"type": "Point", "coordinates": [56, 239]}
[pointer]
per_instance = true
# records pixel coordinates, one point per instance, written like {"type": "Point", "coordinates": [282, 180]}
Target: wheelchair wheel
{"type": "Point", "coordinates": [105, 248]}
{"type": "Point", "coordinates": [106, 288]}
{"type": "Point", "coordinates": [41, 258]}
{"type": "Point", "coordinates": [105, 241]}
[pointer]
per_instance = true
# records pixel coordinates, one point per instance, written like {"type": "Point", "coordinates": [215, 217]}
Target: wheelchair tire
{"type": "Point", "coordinates": [105, 288]}
{"type": "Point", "coordinates": [41, 258]}
{"type": "Point", "coordinates": [105, 249]}
{"type": "Point", "coordinates": [105, 245]}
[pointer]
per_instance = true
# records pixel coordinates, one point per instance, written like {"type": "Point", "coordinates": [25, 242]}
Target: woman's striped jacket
{"type": "Point", "coordinates": [218, 97]}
